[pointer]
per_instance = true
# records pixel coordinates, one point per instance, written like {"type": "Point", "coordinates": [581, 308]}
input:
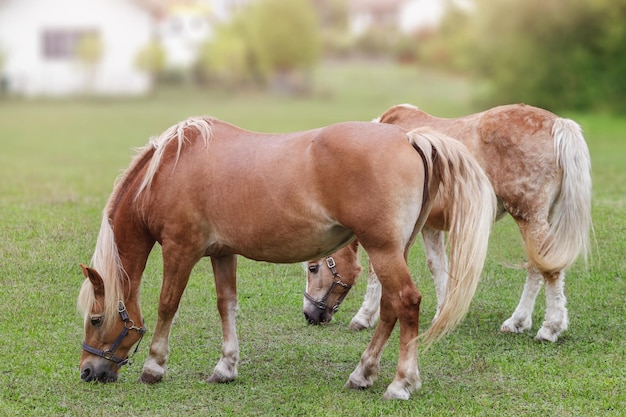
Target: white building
{"type": "Point", "coordinates": [182, 30]}
{"type": "Point", "coordinates": [407, 16]}
{"type": "Point", "coordinates": [39, 39]}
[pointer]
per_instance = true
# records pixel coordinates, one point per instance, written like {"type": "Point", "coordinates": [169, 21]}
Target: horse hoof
{"type": "Point", "coordinates": [150, 379]}
{"type": "Point", "coordinates": [513, 326]}
{"type": "Point", "coordinates": [352, 385]}
{"type": "Point", "coordinates": [397, 395]}
{"type": "Point", "coordinates": [219, 379]}
{"type": "Point", "coordinates": [356, 325]}
{"type": "Point", "coordinates": [544, 335]}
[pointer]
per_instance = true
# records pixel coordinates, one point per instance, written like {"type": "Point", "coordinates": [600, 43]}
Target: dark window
{"type": "Point", "coordinates": [59, 44]}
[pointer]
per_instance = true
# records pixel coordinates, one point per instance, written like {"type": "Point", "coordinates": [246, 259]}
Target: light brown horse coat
{"type": "Point", "coordinates": [207, 188]}
{"type": "Point", "coordinates": [539, 166]}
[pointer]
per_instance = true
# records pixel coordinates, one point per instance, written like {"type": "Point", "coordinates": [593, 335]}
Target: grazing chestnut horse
{"type": "Point", "coordinates": [539, 167]}
{"type": "Point", "coordinates": [207, 188]}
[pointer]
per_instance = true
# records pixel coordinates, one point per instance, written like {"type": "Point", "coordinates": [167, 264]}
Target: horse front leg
{"type": "Point", "coordinates": [407, 379]}
{"type": "Point", "coordinates": [437, 261]}
{"type": "Point", "coordinates": [224, 269]}
{"type": "Point", "coordinates": [176, 271]}
{"type": "Point", "coordinates": [369, 312]}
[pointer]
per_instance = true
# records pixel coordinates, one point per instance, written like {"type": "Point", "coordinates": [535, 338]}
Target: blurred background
{"type": "Point", "coordinates": [556, 54]}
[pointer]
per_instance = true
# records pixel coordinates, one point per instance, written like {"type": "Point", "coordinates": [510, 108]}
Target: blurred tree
{"type": "Point", "coordinates": [553, 53]}
{"type": "Point", "coordinates": [151, 59]}
{"type": "Point", "coordinates": [225, 59]}
{"type": "Point", "coordinates": [448, 47]}
{"type": "Point", "coordinates": [285, 40]}
{"type": "Point", "coordinates": [275, 42]}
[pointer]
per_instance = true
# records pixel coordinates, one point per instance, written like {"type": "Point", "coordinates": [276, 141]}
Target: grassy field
{"type": "Point", "coordinates": [58, 161]}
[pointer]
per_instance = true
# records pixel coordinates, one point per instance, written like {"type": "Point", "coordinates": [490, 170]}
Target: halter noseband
{"type": "Point", "coordinates": [321, 304]}
{"type": "Point", "coordinates": [109, 353]}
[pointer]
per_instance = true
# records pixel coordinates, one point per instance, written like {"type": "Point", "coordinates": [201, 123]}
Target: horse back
{"type": "Point", "coordinates": [319, 184]}
{"type": "Point", "coordinates": [513, 144]}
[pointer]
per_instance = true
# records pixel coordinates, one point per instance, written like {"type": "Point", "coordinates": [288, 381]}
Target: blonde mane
{"type": "Point", "coordinates": [106, 258]}
{"type": "Point", "coordinates": [176, 132]}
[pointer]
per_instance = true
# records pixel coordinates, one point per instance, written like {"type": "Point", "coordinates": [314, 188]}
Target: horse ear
{"type": "Point", "coordinates": [95, 278]}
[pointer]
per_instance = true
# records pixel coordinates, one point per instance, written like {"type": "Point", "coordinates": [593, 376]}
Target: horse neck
{"type": "Point", "coordinates": [129, 239]}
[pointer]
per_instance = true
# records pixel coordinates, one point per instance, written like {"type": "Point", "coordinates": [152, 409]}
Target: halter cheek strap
{"type": "Point", "coordinates": [109, 353]}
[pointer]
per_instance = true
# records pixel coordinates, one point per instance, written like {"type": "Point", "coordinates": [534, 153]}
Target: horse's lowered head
{"type": "Point", "coordinates": [112, 327]}
{"type": "Point", "coordinates": [328, 282]}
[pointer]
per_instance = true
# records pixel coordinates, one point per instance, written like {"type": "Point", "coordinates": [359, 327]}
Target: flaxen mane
{"type": "Point", "coordinates": [106, 259]}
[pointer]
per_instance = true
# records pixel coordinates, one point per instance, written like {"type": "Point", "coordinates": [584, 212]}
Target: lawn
{"type": "Point", "coordinates": [58, 162]}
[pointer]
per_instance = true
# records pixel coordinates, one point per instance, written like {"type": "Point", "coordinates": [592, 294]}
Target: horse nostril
{"type": "Point", "coordinates": [87, 374]}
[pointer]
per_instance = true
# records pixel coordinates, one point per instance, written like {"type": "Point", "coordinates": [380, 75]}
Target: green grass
{"type": "Point", "coordinates": [58, 161]}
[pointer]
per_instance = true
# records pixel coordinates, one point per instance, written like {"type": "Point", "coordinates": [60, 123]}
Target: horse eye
{"type": "Point", "coordinates": [314, 268]}
{"type": "Point", "coordinates": [96, 321]}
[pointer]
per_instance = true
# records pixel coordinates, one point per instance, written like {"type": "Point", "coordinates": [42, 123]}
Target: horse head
{"type": "Point", "coordinates": [109, 333]}
{"type": "Point", "coordinates": [328, 282]}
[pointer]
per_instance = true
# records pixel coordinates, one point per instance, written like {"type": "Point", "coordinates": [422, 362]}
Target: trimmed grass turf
{"type": "Point", "coordinates": [58, 161]}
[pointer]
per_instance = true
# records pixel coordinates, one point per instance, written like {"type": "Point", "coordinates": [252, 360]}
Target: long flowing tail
{"type": "Point", "coordinates": [467, 192]}
{"type": "Point", "coordinates": [570, 218]}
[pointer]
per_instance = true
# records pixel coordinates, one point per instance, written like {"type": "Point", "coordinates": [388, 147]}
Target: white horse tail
{"type": "Point", "coordinates": [467, 192]}
{"type": "Point", "coordinates": [570, 214]}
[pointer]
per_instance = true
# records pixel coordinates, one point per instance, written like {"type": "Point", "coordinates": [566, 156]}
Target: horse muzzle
{"type": "Point", "coordinates": [100, 371]}
{"type": "Point", "coordinates": [315, 315]}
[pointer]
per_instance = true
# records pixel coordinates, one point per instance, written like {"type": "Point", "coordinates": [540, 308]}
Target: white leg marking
{"type": "Point", "coordinates": [437, 262]}
{"type": "Point", "coordinates": [369, 312]}
{"type": "Point", "coordinates": [556, 320]}
{"type": "Point", "coordinates": [155, 366]}
{"type": "Point", "coordinates": [521, 319]}
{"type": "Point", "coordinates": [226, 368]}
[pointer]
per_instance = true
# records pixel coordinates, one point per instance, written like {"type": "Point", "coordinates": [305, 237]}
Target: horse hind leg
{"type": "Point", "coordinates": [556, 320]}
{"type": "Point", "coordinates": [400, 301]}
{"type": "Point", "coordinates": [407, 377]}
{"type": "Point", "coordinates": [437, 260]}
{"type": "Point", "coordinates": [556, 317]}
{"type": "Point", "coordinates": [366, 372]}
{"type": "Point", "coordinates": [521, 319]}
